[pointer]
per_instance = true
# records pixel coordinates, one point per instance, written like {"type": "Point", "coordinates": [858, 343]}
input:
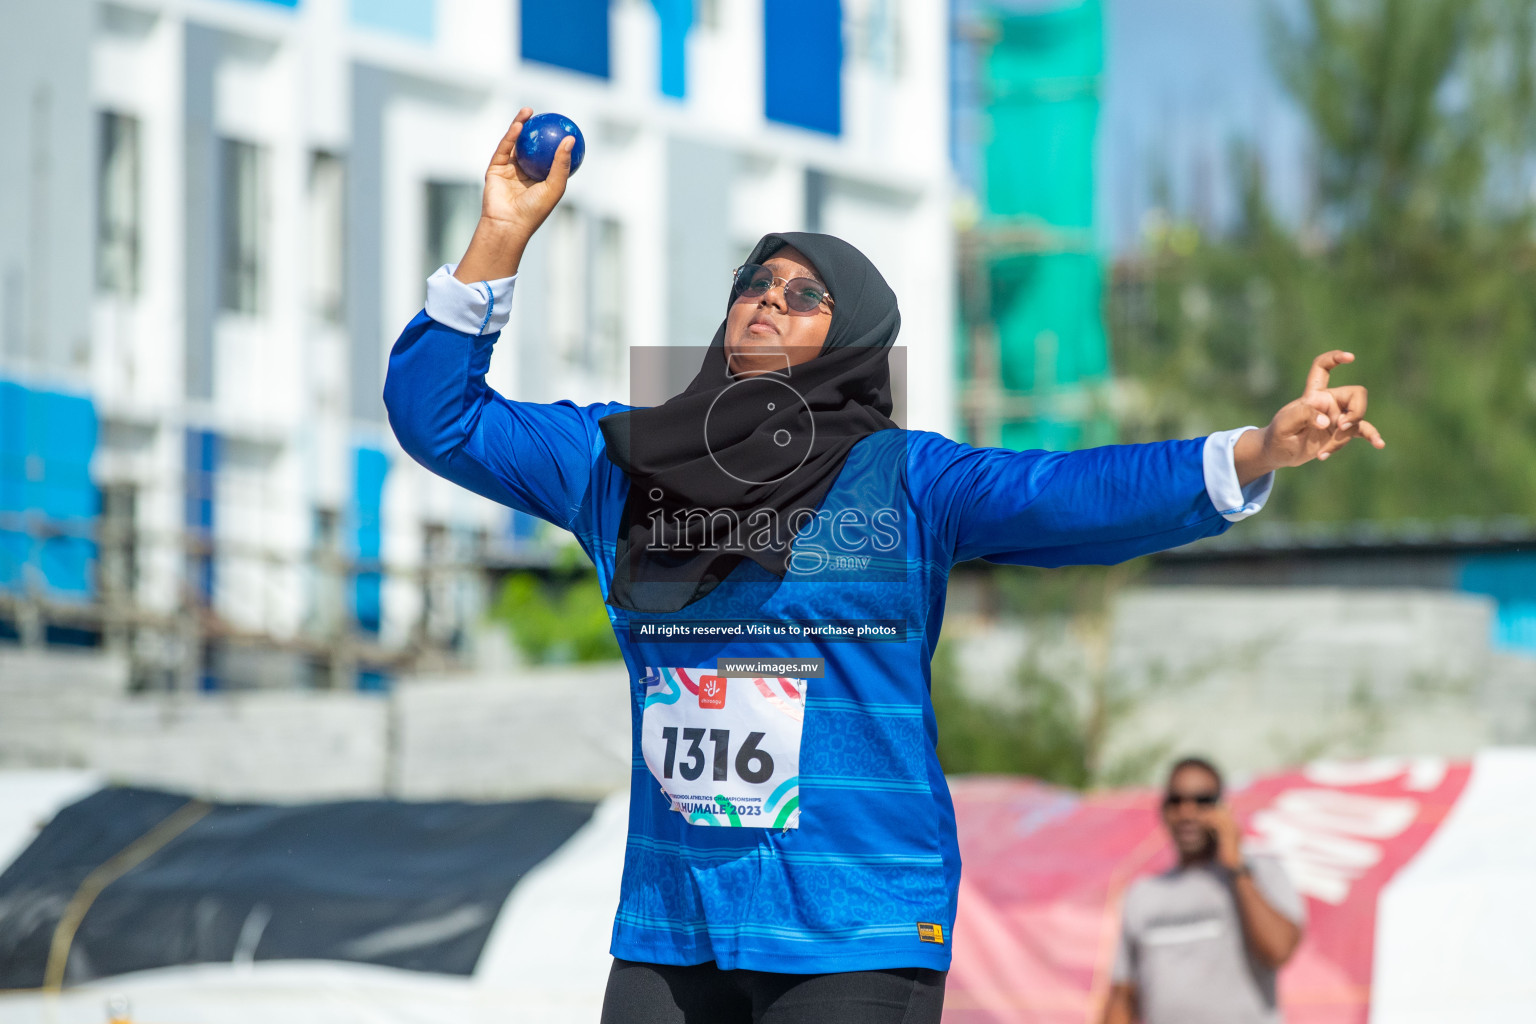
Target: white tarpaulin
{"type": "Point", "coordinates": [1420, 874]}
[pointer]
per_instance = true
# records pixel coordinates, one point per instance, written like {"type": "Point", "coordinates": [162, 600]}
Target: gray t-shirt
{"type": "Point", "coordinates": [1182, 946]}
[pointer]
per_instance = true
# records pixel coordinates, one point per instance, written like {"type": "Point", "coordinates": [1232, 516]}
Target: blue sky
{"type": "Point", "coordinates": [1183, 79]}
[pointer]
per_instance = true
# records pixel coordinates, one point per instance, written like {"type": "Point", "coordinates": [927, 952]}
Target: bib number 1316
{"type": "Point", "coordinates": [725, 751]}
{"type": "Point", "coordinates": [753, 763]}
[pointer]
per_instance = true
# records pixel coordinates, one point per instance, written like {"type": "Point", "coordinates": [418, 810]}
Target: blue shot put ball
{"type": "Point", "coordinates": [540, 137]}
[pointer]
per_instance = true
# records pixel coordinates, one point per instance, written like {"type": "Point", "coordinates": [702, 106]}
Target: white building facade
{"type": "Point", "coordinates": [217, 215]}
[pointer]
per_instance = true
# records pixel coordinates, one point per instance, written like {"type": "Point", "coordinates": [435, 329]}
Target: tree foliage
{"type": "Point", "coordinates": [1053, 723]}
{"type": "Point", "coordinates": [1418, 257]}
{"type": "Point", "coordinates": [557, 618]}
{"type": "Point", "coordinates": [1040, 733]}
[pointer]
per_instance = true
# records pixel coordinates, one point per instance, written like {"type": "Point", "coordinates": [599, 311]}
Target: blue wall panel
{"type": "Point", "coordinates": [15, 546]}
{"type": "Point", "coordinates": [676, 18]}
{"type": "Point", "coordinates": [412, 18]}
{"type": "Point", "coordinates": [803, 63]}
{"type": "Point", "coordinates": [200, 467]}
{"type": "Point", "coordinates": [48, 503]}
{"type": "Point", "coordinates": [370, 468]}
{"type": "Point", "coordinates": [1510, 579]}
{"type": "Point", "coordinates": [68, 566]}
{"type": "Point", "coordinates": [15, 553]}
{"type": "Point", "coordinates": [571, 34]}
{"type": "Point", "coordinates": [372, 680]}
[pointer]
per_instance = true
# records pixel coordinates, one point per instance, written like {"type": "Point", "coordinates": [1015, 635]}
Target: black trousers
{"type": "Point", "coordinates": [704, 994]}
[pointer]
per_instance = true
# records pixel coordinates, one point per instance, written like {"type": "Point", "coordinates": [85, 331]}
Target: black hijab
{"type": "Point", "coordinates": [732, 468]}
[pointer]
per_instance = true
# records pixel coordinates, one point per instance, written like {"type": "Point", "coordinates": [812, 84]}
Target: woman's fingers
{"type": "Point", "coordinates": [1323, 408]}
{"type": "Point", "coordinates": [1317, 376]}
{"type": "Point", "coordinates": [1301, 416]}
{"type": "Point", "coordinates": [503, 155]}
{"type": "Point", "coordinates": [1324, 419]}
{"type": "Point", "coordinates": [1352, 400]}
{"type": "Point", "coordinates": [560, 167]}
{"type": "Point", "coordinates": [1346, 434]}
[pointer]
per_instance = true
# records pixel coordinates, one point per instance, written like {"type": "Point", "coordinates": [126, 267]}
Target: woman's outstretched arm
{"type": "Point", "coordinates": [536, 458]}
{"type": "Point", "coordinates": [532, 457]}
{"type": "Point", "coordinates": [1106, 505]}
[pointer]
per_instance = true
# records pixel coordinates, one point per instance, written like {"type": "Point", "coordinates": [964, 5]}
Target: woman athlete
{"type": "Point", "coordinates": [792, 853]}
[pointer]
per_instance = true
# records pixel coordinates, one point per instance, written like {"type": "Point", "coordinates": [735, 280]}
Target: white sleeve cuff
{"type": "Point", "coordinates": [1233, 501]}
{"type": "Point", "coordinates": [480, 308]}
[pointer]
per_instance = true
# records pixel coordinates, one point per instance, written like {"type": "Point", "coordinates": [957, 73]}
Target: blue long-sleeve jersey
{"type": "Point", "coordinates": [869, 878]}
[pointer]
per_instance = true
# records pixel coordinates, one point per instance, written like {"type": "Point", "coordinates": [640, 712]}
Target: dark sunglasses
{"type": "Point", "coordinates": [801, 294]}
{"type": "Point", "coordinates": [1172, 800]}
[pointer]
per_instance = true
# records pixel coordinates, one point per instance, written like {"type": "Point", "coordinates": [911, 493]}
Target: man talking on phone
{"type": "Point", "coordinates": [1200, 943]}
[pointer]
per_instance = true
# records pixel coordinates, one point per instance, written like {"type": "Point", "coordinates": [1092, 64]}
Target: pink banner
{"type": "Point", "coordinates": [1045, 870]}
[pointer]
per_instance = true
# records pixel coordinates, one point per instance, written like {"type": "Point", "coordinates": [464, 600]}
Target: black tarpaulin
{"type": "Point", "coordinates": [410, 885]}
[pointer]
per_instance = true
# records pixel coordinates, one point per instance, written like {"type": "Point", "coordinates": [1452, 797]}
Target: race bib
{"type": "Point", "coordinates": [725, 750]}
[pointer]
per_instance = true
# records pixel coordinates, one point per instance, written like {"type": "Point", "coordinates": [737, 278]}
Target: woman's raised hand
{"type": "Point", "coordinates": [1314, 426]}
{"type": "Point", "coordinates": [511, 197]}
{"type": "Point", "coordinates": [512, 207]}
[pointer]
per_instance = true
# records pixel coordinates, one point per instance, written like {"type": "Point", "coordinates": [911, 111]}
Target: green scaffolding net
{"type": "Point", "coordinates": [1039, 304]}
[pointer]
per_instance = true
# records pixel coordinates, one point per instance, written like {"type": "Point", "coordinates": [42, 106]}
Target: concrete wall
{"type": "Point", "coordinates": [528, 733]}
{"type": "Point", "coordinates": [1264, 678]}
{"type": "Point", "coordinates": [50, 703]}
{"type": "Point", "coordinates": [1261, 679]}
{"type": "Point", "coordinates": [554, 731]}
{"type": "Point", "coordinates": [251, 746]}
{"type": "Point", "coordinates": [1256, 679]}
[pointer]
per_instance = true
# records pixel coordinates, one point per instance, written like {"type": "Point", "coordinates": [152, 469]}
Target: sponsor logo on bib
{"type": "Point", "coordinates": [712, 693]}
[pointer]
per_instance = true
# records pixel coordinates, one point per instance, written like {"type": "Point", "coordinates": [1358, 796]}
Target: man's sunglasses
{"type": "Point", "coordinates": [1172, 800]}
{"type": "Point", "coordinates": [801, 294]}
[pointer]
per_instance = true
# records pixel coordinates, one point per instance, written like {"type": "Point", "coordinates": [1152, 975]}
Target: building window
{"type": "Point", "coordinates": [571, 34]}
{"type": "Point", "coordinates": [453, 208]}
{"type": "Point", "coordinates": [569, 285]}
{"type": "Point", "coordinates": [327, 236]}
{"type": "Point", "coordinates": [119, 542]}
{"type": "Point", "coordinates": [608, 297]}
{"type": "Point", "coordinates": [328, 599]}
{"type": "Point", "coordinates": [242, 225]}
{"type": "Point", "coordinates": [439, 609]}
{"type": "Point", "coordinates": [586, 274]}
{"type": "Point", "coordinates": [117, 205]}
